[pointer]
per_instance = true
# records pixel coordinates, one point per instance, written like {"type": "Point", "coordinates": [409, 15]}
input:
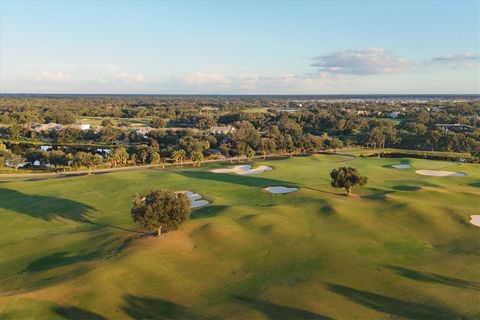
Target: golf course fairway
{"type": "Point", "coordinates": [401, 246]}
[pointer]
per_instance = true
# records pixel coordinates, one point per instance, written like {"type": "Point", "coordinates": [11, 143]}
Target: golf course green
{"type": "Point", "coordinates": [401, 246]}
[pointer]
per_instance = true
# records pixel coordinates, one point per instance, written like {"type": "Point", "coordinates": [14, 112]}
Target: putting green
{"type": "Point", "coordinates": [401, 246]}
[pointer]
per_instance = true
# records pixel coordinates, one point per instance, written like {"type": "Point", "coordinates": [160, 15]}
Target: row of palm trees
{"type": "Point", "coordinates": [179, 156]}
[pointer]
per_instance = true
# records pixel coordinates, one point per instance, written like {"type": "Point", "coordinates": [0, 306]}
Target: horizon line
{"type": "Point", "coordinates": [244, 94]}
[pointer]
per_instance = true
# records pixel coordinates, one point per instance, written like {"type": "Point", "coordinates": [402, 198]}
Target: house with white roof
{"type": "Point", "coordinates": [222, 129]}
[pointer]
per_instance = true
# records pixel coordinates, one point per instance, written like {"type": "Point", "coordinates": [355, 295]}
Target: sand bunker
{"type": "Point", "coordinates": [401, 166]}
{"type": "Point", "coordinates": [475, 220]}
{"type": "Point", "coordinates": [195, 201]}
{"type": "Point", "coordinates": [245, 169]}
{"type": "Point", "coordinates": [280, 189]}
{"type": "Point", "coordinates": [438, 173]}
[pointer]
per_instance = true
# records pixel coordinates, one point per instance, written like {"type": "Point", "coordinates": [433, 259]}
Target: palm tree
{"type": "Point", "coordinates": [196, 156]}
{"type": "Point", "coordinates": [178, 156]}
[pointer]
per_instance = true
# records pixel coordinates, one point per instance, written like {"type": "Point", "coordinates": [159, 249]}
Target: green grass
{"type": "Point", "coordinates": [400, 247]}
{"type": "Point", "coordinates": [134, 122]}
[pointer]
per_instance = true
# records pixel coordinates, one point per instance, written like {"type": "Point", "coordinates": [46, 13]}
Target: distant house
{"type": "Point", "coordinates": [454, 127]}
{"type": "Point", "coordinates": [209, 109]}
{"type": "Point", "coordinates": [84, 126]}
{"type": "Point", "coordinates": [287, 110]}
{"type": "Point", "coordinates": [214, 152]}
{"type": "Point", "coordinates": [393, 114]}
{"type": "Point", "coordinates": [52, 126]}
{"type": "Point", "coordinates": [222, 129]}
{"type": "Point", "coordinates": [144, 131]}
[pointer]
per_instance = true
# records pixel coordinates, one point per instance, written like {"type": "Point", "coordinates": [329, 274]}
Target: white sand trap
{"type": "Point", "coordinates": [245, 169]}
{"type": "Point", "coordinates": [401, 166]}
{"type": "Point", "coordinates": [475, 220]}
{"type": "Point", "coordinates": [195, 201]}
{"type": "Point", "coordinates": [280, 189]}
{"type": "Point", "coordinates": [438, 173]}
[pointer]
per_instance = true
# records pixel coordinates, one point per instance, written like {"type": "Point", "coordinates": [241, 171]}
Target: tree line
{"type": "Point", "coordinates": [313, 127]}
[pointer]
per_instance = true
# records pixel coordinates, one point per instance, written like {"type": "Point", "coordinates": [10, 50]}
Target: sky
{"type": "Point", "coordinates": [240, 47]}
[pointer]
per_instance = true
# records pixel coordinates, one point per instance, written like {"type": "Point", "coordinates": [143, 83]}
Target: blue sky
{"type": "Point", "coordinates": [235, 47]}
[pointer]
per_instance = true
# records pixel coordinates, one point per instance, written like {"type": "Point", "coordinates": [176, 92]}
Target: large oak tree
{"type": "Point", "coordinates": [347, 177]}
{"type": "Point", "coordinates": [161, 209]}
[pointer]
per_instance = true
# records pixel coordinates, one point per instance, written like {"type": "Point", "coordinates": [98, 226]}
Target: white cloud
{"type": "Point", "coordinates": [46, 76]}
{"type": "Point", "coordinates": [286, 81]}
{"type": "Point", "coordinates": [467, 59]}
{"type": "Point", "coordinates": [361, 62]}
{"type": "Point", "coordinates": [199, 78]}
{"type": "Point", "coordinates": [199, 82]}
{"type": "Point", "coordinates": [128, 78]}
{"type": "Point", "coordinates": [370, 70]}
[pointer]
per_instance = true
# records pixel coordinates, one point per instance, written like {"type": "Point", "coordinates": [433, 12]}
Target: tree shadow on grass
{"type": "Point", "coordinates": [107, 249]}
{"type": "Point", "coordinates": [378, 195]}
{"type": "Point", "coordinates": [327, 210]}
{"type": "Point", "coordinates": [324, 191]}
{"type": "Point", "coordinates": [43, 207]}
{"type": "Point", "coordinates": [101, 225]}
{"type": "Point", "coordinates": [393, 306]}
{"type": "Point", "coordinates": [74, 313]}
{"type": "Point", "coordinates": [151, 308]}
{"type": "Point", "coordinates": [434, 278]}
{"type": "Point", "coordinates": [248, 181]}
{"type": "Point", "coordinates": [207, 212]}
{"type": "Point", "coordinates": [475, 184]}
{"type": "Point", "coordinates": [278, 312]}
{"type": "Point", "coordinates": [406, 188]}
{"type": "Point", "coordinates": [15, 287]}
{"type": "Point", "coordinates": [36, 274]}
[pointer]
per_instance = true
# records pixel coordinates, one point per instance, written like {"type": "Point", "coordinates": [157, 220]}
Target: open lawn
{"type": "Point", "coordinates": [134, 122]}
{"type": "Point", "coordinates": [400, 247]}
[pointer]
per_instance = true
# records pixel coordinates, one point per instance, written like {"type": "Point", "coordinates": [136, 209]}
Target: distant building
{"type": "Point", "coordinates": [209, 109]}
{"type": "Point", "coordinates": [84, 126]}
{"type": "Point", "coordinates": [393, 114]}
{"type": "Point", "coordinates": [222, 129]}
{"type": "Point", "coordinates": [144, 131]}
{"type": "Point", "coordinates": [214, 152]}
{"type": "Point", "coordinates": [454, 127]}
{"type": "Point", "coordinates": [288, 110]}
{"type": "Point", "coordinates": [52, 126]}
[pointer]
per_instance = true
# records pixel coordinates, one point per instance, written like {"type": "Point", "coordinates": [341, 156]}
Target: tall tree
{"type": "Point", "coordinates": [161, 209]}
{"type": "Point", "coordinates": [179, 156]}
{"type": "Point", "coordinates": [155, 158]}
{"type": "Point", "coordinates": [3, 154]}
{"type": "Point", "coordinates": [197, 157]}
{"type": "Point", "coordinates": [347, 177]}
{"type": "Point", "coordinates": [57, 158]}
{"type": "Point", "coordinates": [15, 160]}
{"type": "Point", "coordinates": [118, 157]}
{"type": "Point", "coordinates": [158, 122]}
{"type": "Point", "coordinates": [14, 131]}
